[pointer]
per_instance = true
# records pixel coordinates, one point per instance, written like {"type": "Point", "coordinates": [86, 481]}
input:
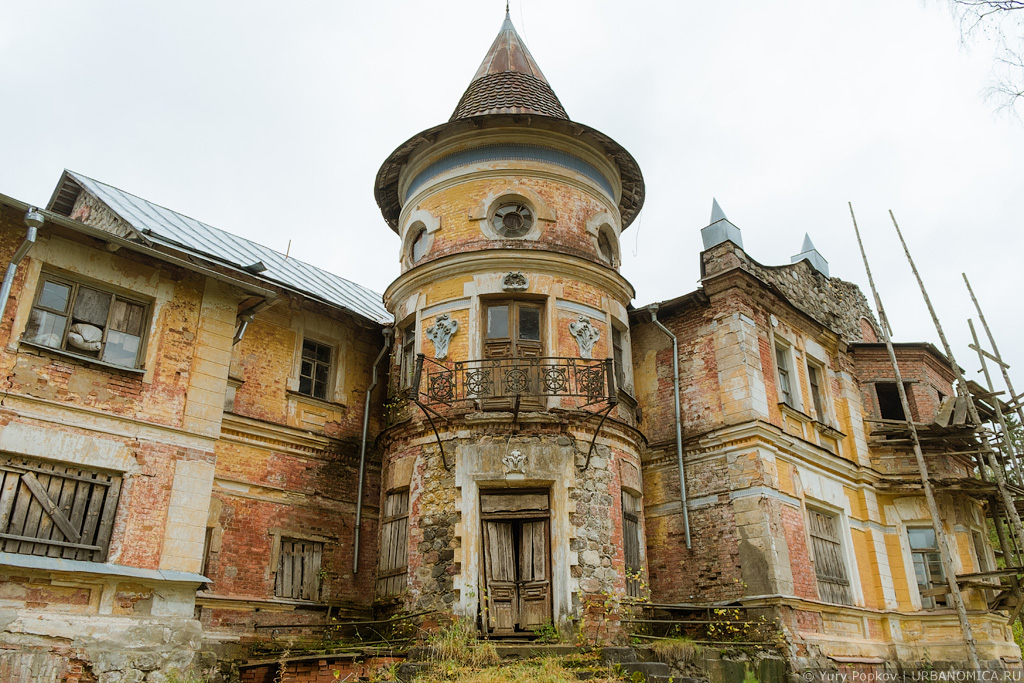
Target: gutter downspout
{"type": "Point", "coordinates": [362, 451]}
{"type": "Point", "coordinates": [34, 221]}
{"type": "Point", "coordinates": [653, 309]}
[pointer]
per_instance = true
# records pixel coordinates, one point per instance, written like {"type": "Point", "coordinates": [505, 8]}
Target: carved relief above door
{"type": "Point", "coordinates": [517, 567]}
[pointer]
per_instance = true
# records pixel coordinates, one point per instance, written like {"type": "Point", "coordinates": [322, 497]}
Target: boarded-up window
{"type": "Point", "coordinates": [829, 562]}
{"type": "Point", "coordinates": [298, 570]}
{"type": "Point", "coordinates": [87, 321]}
{"type": "Point", "coordinates": [394, 545]}
{"type": "Point", "coordinates": [56, 510]}
{"type": "Point", "coordinates": [631, 543]}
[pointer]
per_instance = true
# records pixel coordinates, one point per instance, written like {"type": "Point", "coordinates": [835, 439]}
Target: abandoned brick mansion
{"type": "Point", "coordinates": [205, 444]}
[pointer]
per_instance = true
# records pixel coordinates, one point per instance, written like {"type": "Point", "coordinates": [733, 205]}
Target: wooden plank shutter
{"type": "Point", "coordinates": [631, 542]}
{"type": "Point", "coordinates": [298, 570]}
{"type": "Point", "coordinates": [829, 563]}
{"type": "Point", "coordinates": [394, 545]}
{"type": "Point", "coordinates": [56, 510]}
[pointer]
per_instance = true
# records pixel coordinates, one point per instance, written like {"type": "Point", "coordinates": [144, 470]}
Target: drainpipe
{"type": "Point", "coordinates": [34, 221]}
{"type": "Point", "coordinates": [362, 452]}
{"type": "Point", "coordinates": [653, 309]}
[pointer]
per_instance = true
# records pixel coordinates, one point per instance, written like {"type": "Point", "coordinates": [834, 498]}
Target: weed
{"type": "Point", "coordinates": [456, 645]}
{"type": "Point", "coordinates": [548, 633]}
{"type": "Point", "coordinates": [681, 650]}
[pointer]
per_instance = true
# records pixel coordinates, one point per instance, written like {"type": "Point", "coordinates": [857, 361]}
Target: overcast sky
{"type": "Point", "coordinates": [270, 120]}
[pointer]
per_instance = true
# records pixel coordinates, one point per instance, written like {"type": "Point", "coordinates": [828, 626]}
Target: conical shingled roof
{"type": "Point", "coordinates": [509, 82]}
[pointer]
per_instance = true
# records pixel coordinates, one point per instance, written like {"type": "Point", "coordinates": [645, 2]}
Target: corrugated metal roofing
{"type": "Point", "coordinates": [170, 228]}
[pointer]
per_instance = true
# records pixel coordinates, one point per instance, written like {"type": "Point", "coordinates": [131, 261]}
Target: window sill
{"type": "Point", "coordinates": [68, 355]}
{"type": "Point", "coordinates": [626, 398]}
{"type": "Point", "coordinates": [829, 431]}
{"type": "Point", "coordinates": [787, 409]}
{"type": "Point", "coordinates": [314, 400]}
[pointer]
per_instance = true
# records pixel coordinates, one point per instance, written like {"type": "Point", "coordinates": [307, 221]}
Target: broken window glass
{"type": "Point", "coordinates": [87, 321]}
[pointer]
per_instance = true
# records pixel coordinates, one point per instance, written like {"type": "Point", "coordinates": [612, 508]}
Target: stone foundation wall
{"type": "Point", "coordinates": [445, 542]}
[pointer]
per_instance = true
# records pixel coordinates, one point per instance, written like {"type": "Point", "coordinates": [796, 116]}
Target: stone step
{"type": "Point", "coordinates": [652, 672]}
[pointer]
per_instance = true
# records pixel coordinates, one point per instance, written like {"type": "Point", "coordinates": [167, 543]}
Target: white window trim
{"type": "Point", "coordinates": [780, 343]}
{"type": "Point", "coordinates": [845, 544]}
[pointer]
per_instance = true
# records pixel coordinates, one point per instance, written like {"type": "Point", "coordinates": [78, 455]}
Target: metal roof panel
{"type": "Point", "coordinates": [170, 228]}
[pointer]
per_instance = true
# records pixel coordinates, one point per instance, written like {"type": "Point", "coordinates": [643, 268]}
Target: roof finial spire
{"type": "Point", "coordinates": [506, 6]}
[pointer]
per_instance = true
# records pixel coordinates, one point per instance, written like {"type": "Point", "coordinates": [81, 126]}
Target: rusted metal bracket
{"type": "Point", "coordinates": [414, 397]}
{"type": "Point", "coordinates": [440, 445]}
{"type": "Point", "coordinates": [597, 431]}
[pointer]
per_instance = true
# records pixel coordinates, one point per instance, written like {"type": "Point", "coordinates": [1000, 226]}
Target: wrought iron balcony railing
{"type": "Point", "coordinates": [494, 379]}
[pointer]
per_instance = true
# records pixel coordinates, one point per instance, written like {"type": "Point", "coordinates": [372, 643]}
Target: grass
{"type": "Point", "coordinates": [457, 645]}
{"type": "Point", "coordinates": [540, 670]}
{"type": "Point", "coordinates": [676, 650]}
{"type": "Point", "coordinates": [456, 655]}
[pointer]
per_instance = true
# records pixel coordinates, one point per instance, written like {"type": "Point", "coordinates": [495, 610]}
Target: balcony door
{"type": "Point", "coordinates": [513, 331]}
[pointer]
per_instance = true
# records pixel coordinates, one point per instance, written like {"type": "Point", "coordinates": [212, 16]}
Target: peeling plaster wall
{"type": "Point", "coordinates": [754, 466]}
{"type": "Point", "coordinates": [155, 428]}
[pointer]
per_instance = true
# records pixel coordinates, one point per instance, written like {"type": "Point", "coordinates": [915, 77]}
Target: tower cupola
{"type": "Point", "coordinates": [509, 170]}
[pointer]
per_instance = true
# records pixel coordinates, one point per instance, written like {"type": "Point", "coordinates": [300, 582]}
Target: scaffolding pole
{"type": "Point", "coordinates": [929, 493]}
{"type": "Point", "coordinates": [1005, 442]}
{"type": "Point", "coordinates": [995, 351]}
{"type": "Point", "coordinates": [964, 390]}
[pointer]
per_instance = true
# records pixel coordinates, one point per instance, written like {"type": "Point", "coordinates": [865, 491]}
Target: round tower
{"type": "Point", "coordinates": [511, 489]}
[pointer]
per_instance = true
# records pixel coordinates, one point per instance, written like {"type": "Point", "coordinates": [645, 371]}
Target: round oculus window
{"type": "Point", "coordinates": [512, 220]}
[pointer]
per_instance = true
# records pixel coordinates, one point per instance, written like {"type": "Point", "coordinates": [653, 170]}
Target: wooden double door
{"type": "Point", "coordinates": [517, 566]}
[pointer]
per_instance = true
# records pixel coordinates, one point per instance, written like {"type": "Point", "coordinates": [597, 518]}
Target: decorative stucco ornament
{"type": "Point", "coordinates": [514, 282]}
{"type": "Point", "coordinates": [586, 335]}
{"type": "Point", "coordinates": [515, 463]}
{"type": "Point", "coordinates": [441, 332]}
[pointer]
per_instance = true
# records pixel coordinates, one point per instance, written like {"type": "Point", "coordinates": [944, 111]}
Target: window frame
{"type": "Point", "coordinates": [817, 387]}
{"type": "Point", "coordinates": [620, 356]}
{"type": "Point", "coordinates": [828, 553]}
{"type": "Point", "coordinates": [927, 602]}
{"type": "Point", "coordinates": [116, 296]}
{"type": "Point", "coordinates": [407, 359]}
{"type": "Point", "coordinates": [784, 375]}
{"type": "Point", "coordinates": [514, 339]}
{"type": "Point", "coordinates": [607, 233]}
{"type": "Point", "coordinates": [327, 382]}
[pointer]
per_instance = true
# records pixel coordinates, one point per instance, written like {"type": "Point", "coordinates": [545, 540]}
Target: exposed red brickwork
{"type": "Point", "coordinates": [805, 583]}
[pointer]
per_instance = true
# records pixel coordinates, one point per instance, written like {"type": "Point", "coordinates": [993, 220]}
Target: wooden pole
{"type": "Point", "coordinates": [995, 350]}
{"type": "Point", "coordinates": [963, 390]}
{"type": "Point", "coordinates": [929, 494]}
{"type": "Point", "coordinates": [1006, 443]}
{"type": "Point", "coordinates": [1009, 557]}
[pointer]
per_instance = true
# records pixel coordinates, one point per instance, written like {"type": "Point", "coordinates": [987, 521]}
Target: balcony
{"type": "Point", "coordinates": [509, 382]}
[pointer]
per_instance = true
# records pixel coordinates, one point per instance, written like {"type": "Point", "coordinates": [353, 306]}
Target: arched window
{"type": "Point", "coordinates": [419, 244]}
{"type": "Point", "coordinates": [607, 246]}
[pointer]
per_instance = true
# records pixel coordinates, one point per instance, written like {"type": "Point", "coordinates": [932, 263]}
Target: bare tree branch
{"type": "Point", "coordinates": [998, 22]}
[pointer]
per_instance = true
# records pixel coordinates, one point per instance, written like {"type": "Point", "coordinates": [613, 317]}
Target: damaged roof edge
{"type": "Point", "coordinates": [697, 296]}
{"type": "Point", "coordinates": [166, 228]}
{"type": "Point", "coordinates": [65, 222]}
